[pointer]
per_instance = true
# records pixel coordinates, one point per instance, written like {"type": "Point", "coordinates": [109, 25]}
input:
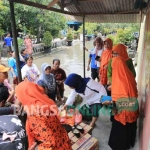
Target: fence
{"type": "Point", "coordinates": [37, 48]}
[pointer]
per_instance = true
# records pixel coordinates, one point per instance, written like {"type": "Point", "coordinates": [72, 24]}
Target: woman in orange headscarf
{"type": "Point", "coordinates": [120, 50]}
{"type": "Point", "coordinates": [43, 125]}
{"type": "Point", "coordinates": [106, 56]}
{"type": "Point", "coordinates": [124, 96]}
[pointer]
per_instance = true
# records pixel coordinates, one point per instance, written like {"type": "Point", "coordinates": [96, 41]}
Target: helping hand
{"type": "Point", "coordinates": [65, 107]}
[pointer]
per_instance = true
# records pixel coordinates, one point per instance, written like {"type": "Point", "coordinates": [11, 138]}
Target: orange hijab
{"type": "Point", "coordinates": [123, 80]}
{"type": "Point", "coordinates": [107, 54]}
{"type": "Point", "coordinates": [121, 49]}
{"type": "Point", "coordinates": [31, 94]}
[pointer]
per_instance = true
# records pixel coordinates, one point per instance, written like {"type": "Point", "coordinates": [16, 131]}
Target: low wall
{"type": "Point", "coordinates": [38, 48]}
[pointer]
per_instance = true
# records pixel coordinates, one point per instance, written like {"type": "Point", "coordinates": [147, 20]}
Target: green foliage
{"type": "Point", "coordinates": [95, 33]}
{"type": "Point", "coordinates": [107, 28]}
{"type": "Point", "coordinates": [1, 31]}
{"type": "Point", "coordinates": [32, 20]}
{"type": "Point", "coordinates": [75, 34]}
{"type": "Point", "coordinates": [47, 39]}
{"type": "Point", "coordinates": [89, 27]}
{"type": "Point", "coordinates": [69, 35]}
{"type": "Point", "coordinates": [89, 31]}
{"type": "Point", "coordinates": [20, 43]}
{"type": "Point", "coordinates": [122, 36]}
{"type": "Point", "coordinates": [55, 31]}
{"type": "Point", "coordinates": [125, 36]}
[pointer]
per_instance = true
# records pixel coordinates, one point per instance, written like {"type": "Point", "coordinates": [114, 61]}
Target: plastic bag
{"type": "Point", "coordinates": [78, 117]}
{"type": "Point", "coordinates": [67, 117]}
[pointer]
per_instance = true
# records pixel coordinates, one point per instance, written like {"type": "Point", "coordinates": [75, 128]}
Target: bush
{"type": "Point", "coordinates": [20, 42]}
{"type": "Point", "coordinates": [89, 31]}
{"type": "Point", "coordinates": [47, 39]}
{"type": "Point", "coordinates": [69, 35]}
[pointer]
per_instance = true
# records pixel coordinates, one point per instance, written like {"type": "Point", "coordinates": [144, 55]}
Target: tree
{"type": "Point", "coordinates": [89, 28]}
{"type": "Point", "coordinates": [32, 20]}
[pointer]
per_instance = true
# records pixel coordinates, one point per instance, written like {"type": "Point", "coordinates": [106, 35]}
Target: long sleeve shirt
{"type": "Point", "coordinates": [89, 97]}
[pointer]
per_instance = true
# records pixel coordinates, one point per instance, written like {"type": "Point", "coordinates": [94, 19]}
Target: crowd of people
{"type": "Point", "coordinates": [117, 75]}
{"type": "Point", "coordinates": [41, 90]}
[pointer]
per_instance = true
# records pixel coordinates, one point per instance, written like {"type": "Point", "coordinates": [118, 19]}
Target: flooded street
{"type": "Point", "coordinates": [71, 59]}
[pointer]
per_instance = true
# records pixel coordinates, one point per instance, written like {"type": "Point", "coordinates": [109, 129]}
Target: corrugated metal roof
{"type": "Point", "coordinates": [120, 18]}
{"type": "Point", "coordinates": [107, 11]}
{"type": "Point", "coordinates": [119, 11]}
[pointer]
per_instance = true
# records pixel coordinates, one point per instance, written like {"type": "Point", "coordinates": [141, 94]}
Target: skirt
{"type": "Point", "coordinates": [49, 133]}
{"type": "Point", "coordinates": [122, 137]}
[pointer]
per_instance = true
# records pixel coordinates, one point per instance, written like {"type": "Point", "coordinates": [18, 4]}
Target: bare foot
{"type": "Point", "coordinates": [92, 125]}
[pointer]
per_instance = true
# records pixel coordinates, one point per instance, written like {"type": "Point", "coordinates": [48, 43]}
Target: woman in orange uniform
{"type": "Point", "coordinates": [106, 56]}
{"type": "Point", "coordinates": [43, 125]}
{"type": "Point", "coordinates": [120, 50]}
{"type": "Point", "coordinates": [124, 96]}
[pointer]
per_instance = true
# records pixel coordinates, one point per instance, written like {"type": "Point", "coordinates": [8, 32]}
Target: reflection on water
{"type": "Point", "coordinates": [71, 60]}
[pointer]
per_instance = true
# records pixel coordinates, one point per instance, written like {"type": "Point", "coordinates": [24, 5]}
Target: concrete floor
{"type": "Point", "coordinates": [102, 131]}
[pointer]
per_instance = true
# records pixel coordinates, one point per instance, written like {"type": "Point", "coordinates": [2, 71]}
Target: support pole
{"type": "Point", "coordinates": [15, 43]}
{"type": "Point", "coordinates": [83, 46]}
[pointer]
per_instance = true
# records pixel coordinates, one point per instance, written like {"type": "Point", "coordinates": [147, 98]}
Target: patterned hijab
{"type": "Point", "coordinates": [48, 79]}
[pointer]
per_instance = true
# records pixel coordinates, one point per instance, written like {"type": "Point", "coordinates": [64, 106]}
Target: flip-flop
{"type": "Point", "coordinates": [79, 128]}
{"type": "Point", "coordinates": [76, 132]}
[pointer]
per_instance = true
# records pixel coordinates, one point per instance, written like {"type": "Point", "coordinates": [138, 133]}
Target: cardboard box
{"type": "Point", "coordinates": [87, 142]}
{"type": "Point", "coordinates": [86, 128]}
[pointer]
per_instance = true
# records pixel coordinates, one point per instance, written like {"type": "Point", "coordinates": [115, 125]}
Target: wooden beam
{"type": "Point", "coordinates": [52, 3]}
{"type": "Point", "coordinates": [89, 0]}
{"type": "Point", "coordinates": [68, 4]}
{"type": "Point", "coordinates": [62, 4]}
{"type": "Point", "coordinates": [59, 4]}
{"type": "Point", "coordinates": [41, 6]}
{"type": "Point", "coordinates": [115, 13]}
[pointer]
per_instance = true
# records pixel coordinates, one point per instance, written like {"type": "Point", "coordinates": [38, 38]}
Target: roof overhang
{"type": "Point", "coordinates": [102, 11]}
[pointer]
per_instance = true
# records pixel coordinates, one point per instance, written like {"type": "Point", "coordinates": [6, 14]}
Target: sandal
{"type": "Point", "coordinates": [76, 132]}
{"type": "Point", "coordinates": [79, 128]}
